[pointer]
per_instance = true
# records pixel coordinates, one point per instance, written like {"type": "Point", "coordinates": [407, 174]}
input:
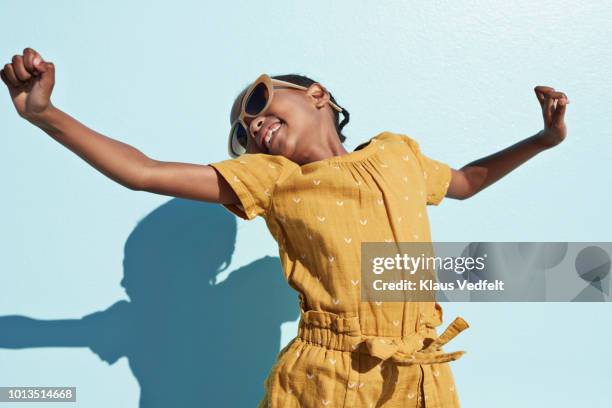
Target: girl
{"type": "Point", "coordinates": [288, 165]}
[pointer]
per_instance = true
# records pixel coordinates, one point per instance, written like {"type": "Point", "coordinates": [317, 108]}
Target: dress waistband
{"type": "Point", "coordinates": [333, 331]}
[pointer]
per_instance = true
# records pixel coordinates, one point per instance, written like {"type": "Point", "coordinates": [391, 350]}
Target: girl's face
{"type": "Point", "coordinates": [306, 123]}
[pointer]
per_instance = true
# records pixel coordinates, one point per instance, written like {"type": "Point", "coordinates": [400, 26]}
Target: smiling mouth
{"type": "Point", "coordinates": [266, 140]}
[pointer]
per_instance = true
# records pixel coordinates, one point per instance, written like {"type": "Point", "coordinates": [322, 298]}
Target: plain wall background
{"type": "Point", "coordinates": [456, 76]}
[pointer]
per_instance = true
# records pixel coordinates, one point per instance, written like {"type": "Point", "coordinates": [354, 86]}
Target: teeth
{"type": "Point", "coordinates": [268, 137]}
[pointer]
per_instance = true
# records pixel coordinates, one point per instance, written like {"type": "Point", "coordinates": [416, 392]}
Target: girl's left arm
{"type": "Point", "coordinates": [479, 174]}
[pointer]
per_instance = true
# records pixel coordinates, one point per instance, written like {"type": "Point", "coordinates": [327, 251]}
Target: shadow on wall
{"type": "Point", "coordinates": [189, 342]}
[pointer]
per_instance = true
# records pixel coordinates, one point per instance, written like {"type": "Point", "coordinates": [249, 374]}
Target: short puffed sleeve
{"type": "Point", "coordinates": [436, 174]}
{"type": "Point", "coordinates": [254, 177]}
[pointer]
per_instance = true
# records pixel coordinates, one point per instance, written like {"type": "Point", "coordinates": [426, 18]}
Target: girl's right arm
{"type": "Point", "coordinates": [30, 81]}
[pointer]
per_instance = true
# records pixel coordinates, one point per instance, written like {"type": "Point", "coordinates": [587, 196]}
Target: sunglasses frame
{"type": "Point", "coordinates": [270, 84]}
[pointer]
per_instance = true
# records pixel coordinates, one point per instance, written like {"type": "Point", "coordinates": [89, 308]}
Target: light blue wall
{"type": "Point", "coordinates": [457, 76]}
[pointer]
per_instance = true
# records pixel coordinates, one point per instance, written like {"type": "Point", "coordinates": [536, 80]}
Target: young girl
{"type": "Point", "coordinates": [319, 202]}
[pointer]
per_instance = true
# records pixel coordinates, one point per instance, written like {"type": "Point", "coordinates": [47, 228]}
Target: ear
{"type": "Point", "coordinates": [319, 95]}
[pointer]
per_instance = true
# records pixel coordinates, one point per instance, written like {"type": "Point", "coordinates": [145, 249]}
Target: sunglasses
{"type": "Point", "coordinates": [255, 101]}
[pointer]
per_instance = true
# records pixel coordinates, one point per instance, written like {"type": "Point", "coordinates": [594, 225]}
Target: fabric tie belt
{"type": "Point", "coordinates": [343, 333]}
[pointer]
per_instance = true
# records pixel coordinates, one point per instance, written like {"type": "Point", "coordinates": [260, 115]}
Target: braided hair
{"type": "Point", "coordinates": [306, 81]}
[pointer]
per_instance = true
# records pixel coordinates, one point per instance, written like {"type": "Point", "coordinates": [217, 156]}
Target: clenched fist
{"type": "Point", "coordinates": [30, 81]}
{"type": "Point", "coordinates": [553, 105]}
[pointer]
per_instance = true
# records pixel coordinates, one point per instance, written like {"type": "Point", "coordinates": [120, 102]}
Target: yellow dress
{"type": "Point", "coordinates": [350, 353]}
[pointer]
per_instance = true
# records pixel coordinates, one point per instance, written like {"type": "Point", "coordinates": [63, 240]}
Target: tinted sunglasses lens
{"type": "Point", "coordinates": [257, 99]}
{"type": "Point", "coordinates": [239, 137]}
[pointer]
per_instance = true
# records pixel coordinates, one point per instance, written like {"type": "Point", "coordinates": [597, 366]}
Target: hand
{"type": "Point", "coordinates": [30, 81]}
{"type": "Point", "coordinates": [553, 109]}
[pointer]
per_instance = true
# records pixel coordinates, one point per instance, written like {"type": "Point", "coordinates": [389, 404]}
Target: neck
{"type": "Point", "coordinates": [327, 146]}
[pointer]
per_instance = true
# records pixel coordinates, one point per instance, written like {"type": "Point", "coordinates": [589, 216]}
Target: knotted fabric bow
{"type": "Point", "coordinates": [404, 351]}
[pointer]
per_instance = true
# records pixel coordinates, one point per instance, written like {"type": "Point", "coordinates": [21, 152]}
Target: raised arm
{"type": "Point", "coordinates": [30, 82]}
{"type": "Point", "coordinates": [479, 174]}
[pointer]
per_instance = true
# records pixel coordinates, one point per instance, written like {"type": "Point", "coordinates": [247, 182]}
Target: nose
{"type": "Point", "coordinates": [256, 125]}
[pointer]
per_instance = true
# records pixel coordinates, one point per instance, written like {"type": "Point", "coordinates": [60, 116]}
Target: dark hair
{"type": "Point", "coordinates": [306, 81]}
